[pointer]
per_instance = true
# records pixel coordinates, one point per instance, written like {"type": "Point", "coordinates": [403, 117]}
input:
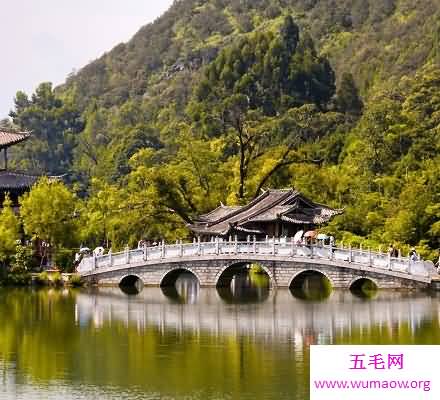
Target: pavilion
{"type": "Point", "coordinates": [14, 183]}
{"type": "Point", "coordinates": [274, 213]}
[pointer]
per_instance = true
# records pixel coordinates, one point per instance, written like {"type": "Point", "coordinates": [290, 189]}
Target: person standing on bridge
{"type": "Point", "coordinates": [392, 251]}
{"type": "Point", "coordinates": [437, 264]}
{"type": "Point", "coordinates": [413, 255]}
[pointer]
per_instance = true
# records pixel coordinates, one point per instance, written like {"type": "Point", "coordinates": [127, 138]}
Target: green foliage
{"type": "Point", "coordinates": [219, 99]}
{"type": "Point", "coordinates": [22, 261]}
{"type": "Point", "coordinates": [54, 123]}
{"type": "Point", "coordinates": [271, 72]}
{"type": "Point", "coordinates": [9, 231]}
{"type": "Point", "coordinates": [20, 264]}
{"type": "Point", "coordinates": [75, 280]}
{"type": "Point", "coordinates": [56, 279]}
{"type": "Point", "coordinates": [42, 279]}
{"type": "Point", "coordinates": [49, 213]}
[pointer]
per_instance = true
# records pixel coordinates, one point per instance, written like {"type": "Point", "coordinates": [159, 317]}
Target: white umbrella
{"type": "Point", "coordinates": [322, 236]}
{"type": "Point", "coordinates": [298, 236]}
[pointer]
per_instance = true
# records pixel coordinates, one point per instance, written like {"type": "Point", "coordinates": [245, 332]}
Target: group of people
{"type": "Point", "coordinates": [394, 252]}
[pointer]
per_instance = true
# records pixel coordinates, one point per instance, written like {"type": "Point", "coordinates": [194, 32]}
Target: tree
{"type": "Point", "coordinates": [49, 213]}
{"type": "Point", "coordinates": [9, 231]}
{"type": "Point", "coordinates": [54, 123]}
{"type": "Point", "coordinates": [347, 96]}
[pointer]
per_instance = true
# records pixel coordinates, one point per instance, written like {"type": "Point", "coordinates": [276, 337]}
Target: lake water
{"type": "Point", "coordinates": [189, 343]}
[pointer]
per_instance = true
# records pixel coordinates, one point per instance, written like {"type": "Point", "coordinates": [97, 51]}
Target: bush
{"type": "Point", "coordinates": [18, 279]}
{"type": "Point", "coordinates": [57, 279]}
{"type": "Point", "coordinates": [42, 279]}
{"type": "Point", "coordinates": [75, 280]}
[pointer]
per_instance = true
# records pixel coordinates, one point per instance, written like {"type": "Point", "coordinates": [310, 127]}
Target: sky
{"type": "Point", "coordinates": [45, 40]}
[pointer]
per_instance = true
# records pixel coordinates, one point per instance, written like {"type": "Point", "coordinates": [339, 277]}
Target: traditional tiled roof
{"type": "Point", "coordinates": [287, 205]}
{"type": "Point", "coordinates": [218, 213]}
{"type": "Point", "coordinates": [10, 138]}
{"type": "Point", "coordinates": [13, 180]}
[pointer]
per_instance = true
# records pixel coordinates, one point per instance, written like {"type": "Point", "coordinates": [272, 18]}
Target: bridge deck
{"type": "Point", "coordinates": [356, 259]}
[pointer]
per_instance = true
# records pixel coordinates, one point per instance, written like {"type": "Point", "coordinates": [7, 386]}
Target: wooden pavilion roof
{"type": "Point", "coordinates": [14, 180]}
{"type": "Point", "coordinates": [10, 138]}
{"type": "Point", "coordinates": [287, 205]}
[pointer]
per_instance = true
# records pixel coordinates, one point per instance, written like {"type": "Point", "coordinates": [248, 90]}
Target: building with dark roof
{"type": "Point", "coordinates": [274, 213]}
{"type": "Point", "coordinates": [13, 183]}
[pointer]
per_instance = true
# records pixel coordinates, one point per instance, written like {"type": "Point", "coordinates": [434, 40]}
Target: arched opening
{"type": "Point", "coordinates": [131, 284]}
{"type": "Point", "coordinates": [364, 288]}
{"type": "Point", "coordinates": [243, 283]}
{"type": "Point", "coordinates": [311, 285]}
{"type": "Point", "coordinates": [181, 286]}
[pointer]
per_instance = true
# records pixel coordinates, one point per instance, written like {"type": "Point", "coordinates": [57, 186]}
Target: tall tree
{"type": "Point", "coordinates": [54, 123]}
{"type": "Point", "coordinates": [49, 212]}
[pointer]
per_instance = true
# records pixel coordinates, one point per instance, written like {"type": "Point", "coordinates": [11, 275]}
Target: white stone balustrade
{"type": "Point", "coordinates": [277, 250]}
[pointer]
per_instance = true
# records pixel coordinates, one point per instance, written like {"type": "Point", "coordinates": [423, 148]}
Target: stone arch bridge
{"type": "Point", "coordinates": [215, 263]}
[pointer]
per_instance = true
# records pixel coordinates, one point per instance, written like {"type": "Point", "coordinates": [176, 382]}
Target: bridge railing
{"type": "Point", "coordinates": [361, 257]}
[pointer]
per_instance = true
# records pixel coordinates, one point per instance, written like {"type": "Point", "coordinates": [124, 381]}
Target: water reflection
{"type": "Point", "coordinates": [364, 289]}
{"type": "Point", "coordinates": [101, 343]}
{"type": "Point", "coordinates": [185, 290]}
{"type": "Point", "coordinates": [311, 286]}
{"type": "Point", "coordinates": [131, 285]}
{"type": "Point", "coordinates": [280, 316]}
{"type": "Point", "coordinates": [246, 287]}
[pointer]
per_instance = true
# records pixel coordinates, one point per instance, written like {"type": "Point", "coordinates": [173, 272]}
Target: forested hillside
{"type": "Point", "coordinates": [219, 99]}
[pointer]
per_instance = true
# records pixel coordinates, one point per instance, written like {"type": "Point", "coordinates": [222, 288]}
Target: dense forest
{"type": "Point", "coordinates": [218, 99]}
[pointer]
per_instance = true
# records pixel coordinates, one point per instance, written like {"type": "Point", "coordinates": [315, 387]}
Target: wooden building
{"type": "Point", "coordinates": [13, 183]}
{"type": "Point", "coordinates": [275, 213]}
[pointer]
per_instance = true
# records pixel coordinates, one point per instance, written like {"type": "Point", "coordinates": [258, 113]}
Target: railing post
{"type": "Point", "coordinates": [389, 261]}
{"type": "Point", "coordinates": [145, 252]}
{"type": "Point", "coordinates": [94, 261]}
{"type": "Point", "coordinates": [330, 252]}
{"type": "Point", "coordinates": [199, 246]}
{"type": "Point", "coordinates": [217, 245]}
{"type": "Point", "coordinates": [162, 250]}
{"type": "Point", "coordinates": [255, 245]}
{"type": "Point", "coordinates": [350, 254]}
{"type": "Point", "coordinates": [370, 260]}
{"type": "Point", "coordinates": [273, 245]}
{"type": "Point", "coordinates": [409, 264]}
{"type": "Point", "coordinates": [236, 244]}
{"type": "Point", "coordinates": [180, 249]}
{"type": "Point", "coordinates": [127, 254]}
{"type": "Point", "coordinates": [292, 247]}
{"type": "Point", "coordinates": [110, 258]}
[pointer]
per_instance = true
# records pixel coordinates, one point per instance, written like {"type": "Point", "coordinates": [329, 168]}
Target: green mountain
{"type": "Point", "coordinates": [219, 99]}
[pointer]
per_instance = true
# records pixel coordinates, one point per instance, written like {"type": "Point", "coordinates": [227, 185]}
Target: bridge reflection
{"type": "Point", "coordinates": [272, 316]}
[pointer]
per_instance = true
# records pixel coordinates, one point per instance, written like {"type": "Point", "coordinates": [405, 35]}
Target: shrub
{"type": "Point", "coordinates": [57, 279]}
{"type": "Point", "coordinates": [42, 278]}
{"type": "Point", "coordinates": [18, 279]}
{"type": "Point", "coordinates": [75, 280]}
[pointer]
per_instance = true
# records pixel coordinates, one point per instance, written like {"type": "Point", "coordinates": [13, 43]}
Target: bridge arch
{"type": "Point", "coordinates": [364, 286]}
{"type": "Point", "coordinates": [131, 284]}
{"type": "Point", "coordinates": [311, 284]}
{"type": "Point", "coordinates": [300, 273]}
{"type": "Point", "coordinates": [225, 275]}
{"type": "Point", "coordinates": [170, 277]}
